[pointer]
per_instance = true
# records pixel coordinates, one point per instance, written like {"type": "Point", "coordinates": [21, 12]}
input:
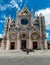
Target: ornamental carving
{"type": "Point", "coordinates": [13, 36]}
{"type": "Point", "coordinates": [34, 37]}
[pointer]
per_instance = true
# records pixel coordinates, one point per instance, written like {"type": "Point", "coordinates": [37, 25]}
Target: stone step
{"type": "Point", "coordinates": [11, 51]}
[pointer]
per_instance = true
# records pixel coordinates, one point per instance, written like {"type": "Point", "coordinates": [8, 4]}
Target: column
{"type": "Point", "coordinates": [41, 45]}
{"type": "Point", "coordinates": [38, 44]}
{"type": "Point", "coordinates": [18, 42]}
{"type": "Point", "coordinates": [27, 44]}
{"type": "Point", "coordinates": [15, 44]}
{"type": "Point", "coordinates": [46, 46]}
{"type": "Point", "coordinates": [7, 45]}
{"type": "Point", "coordinates": [30, 43]}
{"type": "Point", "coordinates": [2, 46]}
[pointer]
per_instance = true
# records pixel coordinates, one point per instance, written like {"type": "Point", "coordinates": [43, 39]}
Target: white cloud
{"type": "Point", "coordinates": [1, 36]}
{"type": "Point", "coordinates": [21, 1]}
{"type": "Point", "coordinates": [48, 27]}
{"type": "Point", "coordinates": [47, 34]}
{"type": "Point", "coordinates": [14, 3]}
{"type": "Point", "coordinates": [3, 7]}
{"type": "Point", "coordinates": [3, 16]}
{"type": "Point", "coordinates": [11, 4]}
{"type": "Point", "coordinates": [46, 13]}
{"type": "Point", "coordinates": [1, 21]}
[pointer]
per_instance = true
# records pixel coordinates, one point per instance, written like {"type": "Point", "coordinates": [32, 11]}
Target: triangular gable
{"type": "Point", "coordinates": [24, 11]}
{"type": "Point", "coordinates": [34, 29]}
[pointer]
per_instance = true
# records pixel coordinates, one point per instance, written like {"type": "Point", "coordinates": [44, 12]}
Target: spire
{"type": "Point", "coordinates": [25, 5]}
{"type": "Point", "coordinates": [9, 17]}
{"type": "Point", "coordinates": [41, 15]}
{"type": "Point", "coordinates": [32, 12]}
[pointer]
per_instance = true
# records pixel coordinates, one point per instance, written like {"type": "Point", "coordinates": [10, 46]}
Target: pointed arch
{"type": "Point", "coordinates": [23, 33]}
{"type": "Point", "coordinates": [35, 35]}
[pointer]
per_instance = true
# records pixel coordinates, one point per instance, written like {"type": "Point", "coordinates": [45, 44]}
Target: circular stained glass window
{"type": "Point", "coordinates": [24, 21]}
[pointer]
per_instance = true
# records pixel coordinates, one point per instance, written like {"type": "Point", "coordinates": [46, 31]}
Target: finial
{"type": "Point", "coordinates": [32, 12]}
{"type": "Point", "coordinates": [24, 4]}
{"type": "Point", "coordinates": [13, 18]}
{"type": "Point", "coordinates": [9, 16]}
{"type": "Point", "coordinates": [41, 15]}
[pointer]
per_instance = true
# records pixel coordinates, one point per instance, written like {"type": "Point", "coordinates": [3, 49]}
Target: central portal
{"type": "Point", "coordinates": [23, 44]}
{"type": "Point", "coordinates": [12, 45]}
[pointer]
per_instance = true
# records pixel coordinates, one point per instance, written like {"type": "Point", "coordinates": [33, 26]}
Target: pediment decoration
{"type": "Point", "coordinates": [13, 36]}
{"type": "Point", "coordinates": [34, 29]}
{"type": "Point", "coordinates": [35, 36]}
{"type": "Point", "coordinates": [24, 11]}
{"type": "Point", "coordinates": [24, 30]}
{"type": "Point", "coordinates": [23, 34]}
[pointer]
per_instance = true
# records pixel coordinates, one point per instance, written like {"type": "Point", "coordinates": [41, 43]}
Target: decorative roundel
{"type": "Point", "coordinates": [24, 21]}
{"type": "Point", "coordinates": [13, 36]}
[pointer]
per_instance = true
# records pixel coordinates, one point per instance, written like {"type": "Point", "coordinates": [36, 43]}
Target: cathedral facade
{"type": "Point", "coordinates": [24, 33]}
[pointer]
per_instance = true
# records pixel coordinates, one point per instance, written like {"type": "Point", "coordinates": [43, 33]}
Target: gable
{"type": "Point", "coordinates": [24, 11]}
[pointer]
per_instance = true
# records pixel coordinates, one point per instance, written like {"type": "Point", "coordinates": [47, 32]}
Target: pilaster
{"type": "Point", "coordinates": [30, 42]}
{"type": "Point", "coordinates": [2, 46]}
{"type": "Point", "coordinates": [18, 42]}
{"type": "Point", "coordinates": [46, 47]}
{"type": "Point", "coordinates": [7, 45]}
{"type": "Point", "coordinates": [41, 45]}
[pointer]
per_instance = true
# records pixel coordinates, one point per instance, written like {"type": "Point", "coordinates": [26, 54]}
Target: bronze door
{"type": "Point", "coordinates": [23, 44]}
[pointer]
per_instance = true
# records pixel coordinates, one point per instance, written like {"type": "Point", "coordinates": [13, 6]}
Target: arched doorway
{"type": "Point", "coordinates": [35, 38]}
{"type": "Point", "coordinates": [23, 44]}
{"type": "Point", "coordinates": [35, 45]}
{"type": "Point", "coordinates": [12, 45]}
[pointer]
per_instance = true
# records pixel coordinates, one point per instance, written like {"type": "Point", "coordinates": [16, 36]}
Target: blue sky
{"type": "Point", "coordinates": [10, 7]}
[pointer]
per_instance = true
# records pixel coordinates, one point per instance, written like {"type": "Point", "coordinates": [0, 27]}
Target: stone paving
{"type": "Point", "coordinates": [17, 53]}
{"type": "Point", "coordinates": [17, 57]}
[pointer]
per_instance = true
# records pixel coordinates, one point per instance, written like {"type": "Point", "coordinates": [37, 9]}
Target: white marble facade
{"type": "Point", "coordinates": [27, 32]}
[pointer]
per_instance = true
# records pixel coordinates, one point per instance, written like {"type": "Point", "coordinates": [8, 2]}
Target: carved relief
{"type": "Point", "coordinates": [35, 36]}
{"type": "Point", "coordinates": [24, 35]}
{"type": "Point", "coordinates": [12, 36]}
